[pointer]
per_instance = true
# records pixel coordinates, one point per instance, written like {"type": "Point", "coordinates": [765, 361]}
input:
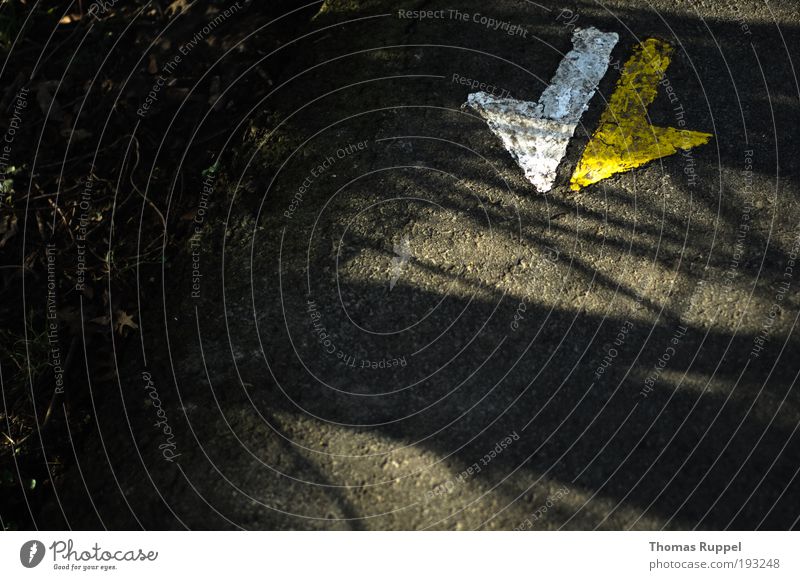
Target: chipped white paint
{"type": "Point", "coordinates": [537, 134]}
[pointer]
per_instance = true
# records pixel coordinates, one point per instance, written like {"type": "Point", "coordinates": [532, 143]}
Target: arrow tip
{"type": "Point", "coordinates": [614, 149]}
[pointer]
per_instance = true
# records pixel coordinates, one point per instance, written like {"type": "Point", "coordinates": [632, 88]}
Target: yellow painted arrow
{"type": "Point", "coordinates": [625, 138]}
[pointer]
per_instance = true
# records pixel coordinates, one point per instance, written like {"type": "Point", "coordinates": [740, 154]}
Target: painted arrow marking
{"type": "Point", "coordinates": [537, 134]}
{"type": "Point", "coordinates": [625, 138]}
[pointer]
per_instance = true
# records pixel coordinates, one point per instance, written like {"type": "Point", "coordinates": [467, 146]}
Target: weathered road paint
{"type": "Point", "coordinates": [537, 134]}
{"type": "Point", "coordinates": [625, 138]}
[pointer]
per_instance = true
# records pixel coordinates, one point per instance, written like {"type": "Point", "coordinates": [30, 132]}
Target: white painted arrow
{"type": "Point", "coordinates": [537, 134]}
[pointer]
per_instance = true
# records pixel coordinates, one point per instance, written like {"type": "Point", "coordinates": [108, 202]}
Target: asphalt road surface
{"type": "Point", "coordinates": [382, 324]}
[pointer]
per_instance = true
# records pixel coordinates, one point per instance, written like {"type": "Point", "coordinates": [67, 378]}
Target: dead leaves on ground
{"type": "Point", "coordinates": [120, 321]}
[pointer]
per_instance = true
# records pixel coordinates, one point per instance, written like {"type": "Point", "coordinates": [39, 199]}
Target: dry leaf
{"type": "Point", "coordinates": [123, 321]}
{"type": "Point", "coordinates": [177, 7]}
{"type": "Point", "coordinates": [70, 18]}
